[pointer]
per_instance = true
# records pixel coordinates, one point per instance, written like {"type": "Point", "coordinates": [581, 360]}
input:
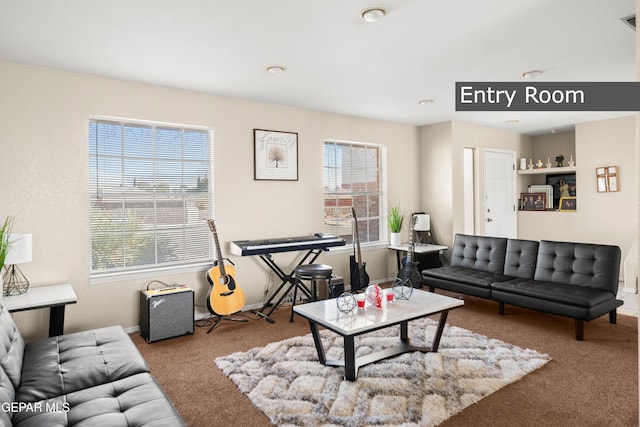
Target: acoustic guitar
{"type": "Point", "coordinates": [409, 270]}
{"type": "Point", "coordinates": [225, 297]}
{"type": "Point", "coordinates": [359, 276]}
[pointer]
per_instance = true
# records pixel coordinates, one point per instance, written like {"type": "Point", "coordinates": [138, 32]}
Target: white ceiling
{"type": "Point", "coordinates": [335, 62]}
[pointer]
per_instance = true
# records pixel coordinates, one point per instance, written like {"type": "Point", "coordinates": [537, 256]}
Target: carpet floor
{"type": "Point", "coordinates": [587, 383]}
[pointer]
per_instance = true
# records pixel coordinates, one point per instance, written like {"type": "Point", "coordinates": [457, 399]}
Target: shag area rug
{"type": "Point", "coordinates": [285, 380]}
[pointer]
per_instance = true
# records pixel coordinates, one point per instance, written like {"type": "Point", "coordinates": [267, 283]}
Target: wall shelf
{"type": "Point", "coordinates": [546, 171]}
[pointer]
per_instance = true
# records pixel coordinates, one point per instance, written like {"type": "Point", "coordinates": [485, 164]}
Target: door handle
{"type": "Point", "coordinates": [489, 220]}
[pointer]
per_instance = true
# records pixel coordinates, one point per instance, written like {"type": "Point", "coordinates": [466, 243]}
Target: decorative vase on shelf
{"type": "Point", "coordinates": [395, 239]}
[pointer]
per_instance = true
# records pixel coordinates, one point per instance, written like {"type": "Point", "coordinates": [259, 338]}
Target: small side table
{"type": "Point", "coordinates": [54, 297]}
{"type": "Point", "coordinates": [418, 249]}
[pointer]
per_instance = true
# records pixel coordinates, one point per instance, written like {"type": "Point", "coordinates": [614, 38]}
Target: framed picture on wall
{"type": "Point", "coordinates": [275, 155]}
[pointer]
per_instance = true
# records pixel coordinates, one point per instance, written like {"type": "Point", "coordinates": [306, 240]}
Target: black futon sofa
{"type": "Point", "coordinates": [92, 378]}
{"type": "Point", "coordinates": [576, 280]}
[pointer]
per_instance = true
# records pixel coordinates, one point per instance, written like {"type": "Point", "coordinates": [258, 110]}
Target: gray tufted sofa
{"type": "Point", "coordinates": [576, 280]}
{"type": "Point", "coordinates": [92, 378]}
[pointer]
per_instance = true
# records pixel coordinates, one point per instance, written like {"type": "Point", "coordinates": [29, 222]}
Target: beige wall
{"type": "Point", "coordinates": [44, 173]}
{"type": "Point", "coordinates": [441, 153]}
{"type": "Point", "coordinates": [436, 185]}
{"type": "Point", "coordinates": [547, 147]}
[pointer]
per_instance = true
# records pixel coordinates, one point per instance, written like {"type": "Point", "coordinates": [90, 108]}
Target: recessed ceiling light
{"type": "Point", "coordinates": [426, 101]}
{"type": "Point", "coordinates": [513, 122]}
{"type": "Point", "coordinates": [275, 69]}
{"type": "Point", "coordinates": [373, 14]}
{"type": "Point", "coordinates": [531, 74]}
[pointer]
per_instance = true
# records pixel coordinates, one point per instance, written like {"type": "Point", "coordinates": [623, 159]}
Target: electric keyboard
{"type": "Point", "coordinates": [287, 244]}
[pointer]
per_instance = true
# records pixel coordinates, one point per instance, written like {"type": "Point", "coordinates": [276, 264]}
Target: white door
{"type": "Point", "coordinates": [499, 193]}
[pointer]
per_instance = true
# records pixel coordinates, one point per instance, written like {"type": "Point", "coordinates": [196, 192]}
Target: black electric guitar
{"type": "Point", "coordinates": [359, 276]}
{"type": "Point", "coordinates": [225, 297]}
{"type": "Point", "coordinates": [410, 272]}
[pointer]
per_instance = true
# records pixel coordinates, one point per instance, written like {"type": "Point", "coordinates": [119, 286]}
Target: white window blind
{"type": "Point", "coordinates": [150, 194]}
{"type": "Point", "coordinates": [354, 176]}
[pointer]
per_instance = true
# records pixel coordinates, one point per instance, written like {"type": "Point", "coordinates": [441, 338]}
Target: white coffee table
{"type": "Point", "coordinates": [361, 321]}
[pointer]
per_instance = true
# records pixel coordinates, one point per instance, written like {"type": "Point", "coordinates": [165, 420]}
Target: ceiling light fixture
{"type": "Point", "coordinates": [531, 74]}
{"type": "Point", "coordinates": [275, 69]}
{"type": "Point", "coordinates": [373, 14]}
{"type": "Point", "coordinates": [513, 122]}
{"type": "Point", "coordinates": [426, 101]}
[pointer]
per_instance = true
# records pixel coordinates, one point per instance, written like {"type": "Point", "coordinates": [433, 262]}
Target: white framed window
{"type": "Point", "coordinates": [354, 176]}
{"type": "Point", "coordinates": [151, 194]}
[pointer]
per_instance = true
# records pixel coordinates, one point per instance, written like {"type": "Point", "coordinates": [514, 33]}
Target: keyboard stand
{"type": "Point", "coordinates": [287, 279]}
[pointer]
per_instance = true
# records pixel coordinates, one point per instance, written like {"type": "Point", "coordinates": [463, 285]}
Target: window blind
{"type": "Point", "coordinates": [354, 176]}
{"type": "Point", "coordinates": [150, 194]}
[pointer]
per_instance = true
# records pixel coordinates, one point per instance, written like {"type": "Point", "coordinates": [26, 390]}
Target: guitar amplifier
{"type": "Point", "coordinates": [166, 313]}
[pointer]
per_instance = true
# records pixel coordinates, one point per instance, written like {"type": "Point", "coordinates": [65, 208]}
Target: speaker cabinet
{"type": "Point", "coordinates": [166, 313]}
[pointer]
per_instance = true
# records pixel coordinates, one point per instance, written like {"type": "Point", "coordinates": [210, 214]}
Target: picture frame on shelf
{"type": "Point", "coordinates": [567, 204]}
{"type": "Point", "coordinates": [547, 189]}
{"type": "Point", "coordinates": [564, 185]}
{"type": "Point", "coordinates": [275, 155]}
{"type": "Point", "coordinates": [533, 201]}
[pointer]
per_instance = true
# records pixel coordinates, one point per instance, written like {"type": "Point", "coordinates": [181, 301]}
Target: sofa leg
{"type": "Point", "coordinates": [579, 329]}
{"type": "Point", "coordinates": [432, 289]}
{"type": "Point", "coordinates": [613, 318]}
{"type": "Point", "coordinates": [501, 308]}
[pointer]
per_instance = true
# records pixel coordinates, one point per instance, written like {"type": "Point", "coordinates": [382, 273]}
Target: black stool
{"type": "Point", "coordinates": [312, 272]}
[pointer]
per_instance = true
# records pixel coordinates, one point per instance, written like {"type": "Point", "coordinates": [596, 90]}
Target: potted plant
{"type": "Point", "coordinates": [5, 232]}
{"type": "Point", "coordinates": [396, 218]}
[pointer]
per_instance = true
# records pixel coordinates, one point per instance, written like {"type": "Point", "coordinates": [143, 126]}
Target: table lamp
{"type": "Point", "coordinates": [422, 224]}
{"type": "Point", "coordinates": [20, 252]}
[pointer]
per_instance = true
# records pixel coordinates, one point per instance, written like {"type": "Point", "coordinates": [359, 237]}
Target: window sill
{"type": "Point", "coordinates": [348, 249]}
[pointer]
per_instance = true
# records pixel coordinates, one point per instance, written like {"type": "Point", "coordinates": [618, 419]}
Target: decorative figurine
{"type": "Point", "coordinates": [548, 164]}
{"type": "Point", "coordinates": [560, 160]}
{"type": "Point", "coordinates": [402, 289]}
{"type": "Point", "coordinates": [571, 162]}
{"type": "Point", "coordinates": [346, 302]}
{"type": "Point", "coordinates": [539, 164]}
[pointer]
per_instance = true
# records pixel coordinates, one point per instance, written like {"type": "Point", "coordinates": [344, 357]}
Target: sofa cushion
{"type": "Point", "coordinates": [67, 363]}
{"type": "Point", "coordinates": [131, 401]}
{"type": "Point", "coordinates": [11, 347]}
{"type": "Point", "coordinates": [479, 253]}
{"type": "Point", "coordinates": [7, 395]}
{"type": "Point", "coordinates": [581, 296]}
{"type": "Point", "coordinates": [521, 258]}
{"type": "Point", "coordinates": [464, 275]}
{"type": "Point", "coordinates": [579, 264]}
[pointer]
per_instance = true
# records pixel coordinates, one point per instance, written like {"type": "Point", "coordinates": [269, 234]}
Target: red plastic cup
{"type": "Point", "coordinates": [390, 296]}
